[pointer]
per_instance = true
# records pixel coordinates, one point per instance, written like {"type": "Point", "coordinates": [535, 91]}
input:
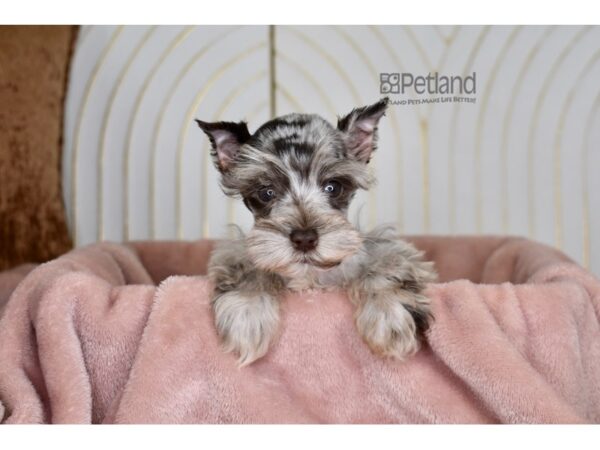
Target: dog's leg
{"type": "Point", "coordinates": [391, 310]}
{"type": "Point", "coordinates": [245, 302]}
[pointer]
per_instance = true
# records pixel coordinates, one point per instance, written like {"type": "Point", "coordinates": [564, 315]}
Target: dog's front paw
{"type": "Point", "coordinates": [246, 323]}
{"type": "Point", "coordinates": [391, 323]}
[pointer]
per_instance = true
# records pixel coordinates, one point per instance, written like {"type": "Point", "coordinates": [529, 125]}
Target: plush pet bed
{"type": "Point", "coordinates": [113, 333]}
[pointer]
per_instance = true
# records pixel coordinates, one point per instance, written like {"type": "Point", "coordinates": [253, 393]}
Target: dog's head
{"type": "Point", "coordinates": [297, 175]}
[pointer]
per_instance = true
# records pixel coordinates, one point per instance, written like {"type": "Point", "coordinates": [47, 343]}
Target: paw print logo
{"type": "Point", "coordinates": [389, 83]}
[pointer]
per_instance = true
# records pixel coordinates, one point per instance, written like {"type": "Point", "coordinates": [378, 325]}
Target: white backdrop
{"type": "Point", "coordinates": [522, 160]}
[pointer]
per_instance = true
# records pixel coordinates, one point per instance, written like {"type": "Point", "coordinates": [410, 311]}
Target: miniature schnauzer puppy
{"type": "Point", "coordinates": [297, 175]}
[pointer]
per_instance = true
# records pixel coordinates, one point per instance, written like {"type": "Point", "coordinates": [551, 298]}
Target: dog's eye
{"type": "Point", "coordinates": [332, 188]}
{"type": "Point", "coordinates": [266, 194]}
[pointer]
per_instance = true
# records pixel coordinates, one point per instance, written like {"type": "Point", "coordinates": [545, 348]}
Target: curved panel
{"type": "Point", "coordinates": [520, 160]}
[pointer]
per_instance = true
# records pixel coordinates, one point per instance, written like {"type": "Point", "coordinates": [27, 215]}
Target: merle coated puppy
{"type": "Point", "coordinates": [297, 175]}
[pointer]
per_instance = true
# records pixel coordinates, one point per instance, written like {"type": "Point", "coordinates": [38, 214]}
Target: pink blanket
{"type": "Point", "coordinates": [97, 336]}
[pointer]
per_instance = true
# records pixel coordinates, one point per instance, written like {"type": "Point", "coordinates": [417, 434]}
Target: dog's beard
{"type": "Point", "coordinates": [272, 251]}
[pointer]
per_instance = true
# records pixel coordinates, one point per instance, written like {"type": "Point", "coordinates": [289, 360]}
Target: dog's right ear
{"type": "Point", "coordinates": [360, 129]}
{"type": "Point", "coordinates": [226, 139]}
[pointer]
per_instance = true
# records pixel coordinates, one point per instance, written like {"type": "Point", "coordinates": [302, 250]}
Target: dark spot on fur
{"type": "Point", "coordinates": [299, 149]}
{"type": "Point", "coordinates": [279, 122]}
{"type": "Point", "coordinates": [412, 285]}
{"type": "Point", "coordinates": [342, 201]}
{"type": "Point", "coordinates": [257, 207]}
{"type": "Point", "coordinates": [422, 318]}
{"type": "Point", "coordinates": [303, 150]}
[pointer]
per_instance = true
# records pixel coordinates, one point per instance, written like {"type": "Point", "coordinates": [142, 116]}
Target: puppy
{"type": "Point", "coordinates": [297, 175]}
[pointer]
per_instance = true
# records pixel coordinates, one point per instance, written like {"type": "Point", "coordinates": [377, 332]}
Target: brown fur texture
{"type": "Point", "coordinates": [34, 64]}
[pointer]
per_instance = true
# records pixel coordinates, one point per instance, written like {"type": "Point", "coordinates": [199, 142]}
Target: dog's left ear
{"type": "Point", "coordinates": [360, 129]}
{"type": "Point", "coordinates": [226, 139]}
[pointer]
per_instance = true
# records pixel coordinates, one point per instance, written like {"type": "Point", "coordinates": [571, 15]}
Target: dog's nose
{"type": "Point", "coordinates": [304, 240]}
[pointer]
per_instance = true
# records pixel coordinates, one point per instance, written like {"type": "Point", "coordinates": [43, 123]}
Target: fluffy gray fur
{"type": "Point", "coordinates": [297, 174]}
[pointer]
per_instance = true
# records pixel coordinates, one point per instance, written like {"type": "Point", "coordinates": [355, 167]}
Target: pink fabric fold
{"type": "Point", "coordinates": [124, 334]}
